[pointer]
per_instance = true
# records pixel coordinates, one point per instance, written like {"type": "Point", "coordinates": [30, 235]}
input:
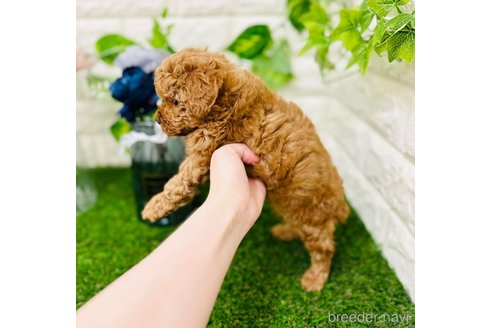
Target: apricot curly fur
{"type": "Point", "coordinates": [213, 102]}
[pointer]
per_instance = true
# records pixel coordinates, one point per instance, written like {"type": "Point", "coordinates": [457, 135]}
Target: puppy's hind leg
{"type": "Point", "coordinates": [319, 241]}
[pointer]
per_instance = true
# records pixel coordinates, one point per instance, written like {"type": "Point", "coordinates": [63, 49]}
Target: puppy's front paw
{"type": "Point", "coordinates": [156, 209]}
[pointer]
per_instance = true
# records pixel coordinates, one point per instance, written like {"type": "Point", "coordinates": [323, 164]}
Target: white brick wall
{"type": "Point", "coordinates": [366, 122]}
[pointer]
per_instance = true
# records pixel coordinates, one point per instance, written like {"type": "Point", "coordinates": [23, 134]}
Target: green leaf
{"type": "Point", "coordinates": [379, 31]}
{"type": "Point", "coordinates": [251, 42]}
{"type": "Point", "coordinates": [315, 29]}
{"type": "Point", "coordinates": [315, 20]}
{"type": "Point", "coordinates": [321, 58]}
{"type": "Point", "coordinates": [110, 46]}
{"type": "Point", "coordinates": [361, 55]}
{"type": "Point", "coordinates": [383, 7]}
{"type": "Point", "coordinates": [397, 37]}
{"type": "Point", "coordinates": [307, 46]}
{"type": "Point", "coordinates": [274, 66]}
{"type": "Point", "coordinates": [378, 35]}
{"type": "Point", "coordinates": [380, 48]}
{"type": "Point", "coordinates": [401, 46]}
{"type": "Point", "coordinates": [365, 16]}
{"type": "Point", "coordinates": [397, 23]}
{"type": "Point", "coordinates": [165, 12]}
{"type": "Point", "coordinates": [119, 128]}
{"type": "Point", "coordinates": [347, 31]}
{"type": "Point", "coordinates": [314, 41]}
{"type": "Point", "coordinates": [159, 39]}
{"type": "Point", "coordinates": [297, 8]}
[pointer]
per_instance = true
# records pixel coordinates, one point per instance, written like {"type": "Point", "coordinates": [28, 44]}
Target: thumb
{"type": "Point", "coordinates": [243, 152]}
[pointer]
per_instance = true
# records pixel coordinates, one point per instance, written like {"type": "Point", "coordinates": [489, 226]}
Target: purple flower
{"type": "Point", "coordinates": [147, 59]}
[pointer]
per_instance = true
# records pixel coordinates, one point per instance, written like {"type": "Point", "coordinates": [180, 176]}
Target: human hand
{"type": "Point", "coordinates": [231, 187]}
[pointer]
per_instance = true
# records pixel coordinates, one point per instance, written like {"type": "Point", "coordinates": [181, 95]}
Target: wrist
{"type": "Point", "coordinates": [227, 215]}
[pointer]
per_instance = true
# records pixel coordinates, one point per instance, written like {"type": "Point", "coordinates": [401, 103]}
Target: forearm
{"type": "Point", "coordinates": [200, 253]}
{"type": "Point", "coordinates": [177, 284]}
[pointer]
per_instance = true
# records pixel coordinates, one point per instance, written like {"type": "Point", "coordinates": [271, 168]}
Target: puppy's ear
{"type": "Point", "coordinates": [201, 90]}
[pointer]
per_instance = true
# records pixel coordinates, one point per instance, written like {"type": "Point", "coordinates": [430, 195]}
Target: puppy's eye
{"type": "Point", "coordinates": [175, 102]}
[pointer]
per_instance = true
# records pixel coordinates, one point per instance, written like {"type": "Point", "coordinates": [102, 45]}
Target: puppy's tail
{"type": "Point", "coordinates": [343, 212]}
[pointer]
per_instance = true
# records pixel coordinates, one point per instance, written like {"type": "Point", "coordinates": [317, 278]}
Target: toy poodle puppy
{"type": "Point", "coordinates": [213, 102]}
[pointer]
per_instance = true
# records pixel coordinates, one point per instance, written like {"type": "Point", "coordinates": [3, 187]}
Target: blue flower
{"type": "Point", "coordinates": [135, 89]}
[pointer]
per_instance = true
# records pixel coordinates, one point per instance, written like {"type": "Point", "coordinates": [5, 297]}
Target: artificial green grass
{"type": "Point", "coordinates": [261, 288]}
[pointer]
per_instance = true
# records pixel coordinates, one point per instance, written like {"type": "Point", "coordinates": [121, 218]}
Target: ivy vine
{"type": "Point", "coordinates": [381, 26]}
{"type": "Point", "coordinates": [393, 32]}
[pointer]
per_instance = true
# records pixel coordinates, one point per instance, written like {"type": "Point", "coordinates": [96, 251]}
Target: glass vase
{"type": "Point", "coordinates": [153, 164]}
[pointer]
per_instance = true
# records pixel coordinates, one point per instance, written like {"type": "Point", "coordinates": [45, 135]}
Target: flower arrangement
{"type": "Point", "coordinates": [135, 88]}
